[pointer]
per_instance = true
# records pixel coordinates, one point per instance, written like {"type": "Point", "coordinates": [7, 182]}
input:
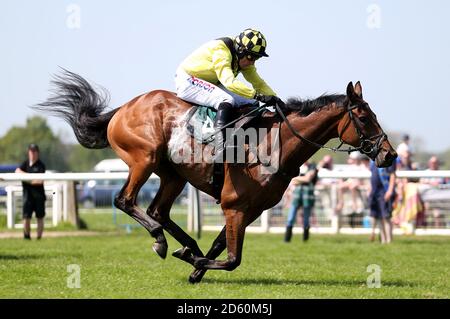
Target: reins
{"type": "Point", "coordinates": [262, 106]}
{"type": "Point", "coordinates": [366, 146]}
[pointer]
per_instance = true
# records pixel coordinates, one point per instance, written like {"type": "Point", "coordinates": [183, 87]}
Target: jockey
{"type": "Point", "coordinates": [208, 77]}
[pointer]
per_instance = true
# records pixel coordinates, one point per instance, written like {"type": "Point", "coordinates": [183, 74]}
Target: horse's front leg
{"type": "Point", "coordinates": [216, 249]}
{"type": "Point", "coordinates": [235, 232]}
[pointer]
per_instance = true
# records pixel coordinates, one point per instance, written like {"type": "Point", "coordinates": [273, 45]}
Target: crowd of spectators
{"type": "Point", "coordinates": [412, 202]}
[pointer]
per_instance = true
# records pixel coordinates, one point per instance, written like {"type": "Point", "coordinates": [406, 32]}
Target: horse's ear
{"type": "Point", "coordinates": [350, 90]}
{"type": "Point", "coordinates": [358, 89]}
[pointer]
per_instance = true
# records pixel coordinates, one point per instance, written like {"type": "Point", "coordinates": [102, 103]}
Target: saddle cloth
{"type": "Point", "coordinates": [200, 123]}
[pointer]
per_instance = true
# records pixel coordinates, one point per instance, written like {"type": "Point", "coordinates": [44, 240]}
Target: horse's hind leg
{"type": "Point", "coordinates": [126, 201]}
{"type": "Point", "coordinates": [170, 187]}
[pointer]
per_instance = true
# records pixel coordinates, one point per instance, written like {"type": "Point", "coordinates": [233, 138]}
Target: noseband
{"type": "Point", "coordinates": [368, 145]}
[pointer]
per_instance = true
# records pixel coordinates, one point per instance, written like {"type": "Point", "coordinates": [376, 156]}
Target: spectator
{"type": "Point", "coordinates": [405, 147]}
{"type": "Point", "coordinates": [365, 162]}
{"type": "Point", "coordinates": [381, 200]}
{"type": "Point", "coordinates": [33, 193]}
{"type": "Point", "coordinates": [303, 196]}
{"type": "Point", "coordinates": [404, 162]}
{"type": "Point", "coordinates": [409, 209]}
{"type": "Point", "coordinates": [433, 165]}
{"type": "Point", "coordinates": [430, 192]}
{"type": "Point", "coordinates": [325, 185]}
{"type": "Point", "coordinates": [353, 186]}
{"type": "Point", "coordinates": [326, 164]}
{"type": "Point", "coordinates": [404, 151]}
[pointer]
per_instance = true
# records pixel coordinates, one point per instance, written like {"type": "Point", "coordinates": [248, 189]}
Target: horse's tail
{"type": "Point", "coordinates": [80, 105]}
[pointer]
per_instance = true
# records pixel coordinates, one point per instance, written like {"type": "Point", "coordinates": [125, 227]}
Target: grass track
{"type": "Point", "coordinates": [124, 266]}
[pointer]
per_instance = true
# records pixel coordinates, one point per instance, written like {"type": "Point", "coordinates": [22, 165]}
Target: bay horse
{"type": "Point", "coordinates": [146, 130]}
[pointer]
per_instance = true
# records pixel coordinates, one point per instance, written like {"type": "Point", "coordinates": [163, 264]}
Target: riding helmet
{"type": "Point", "coordinates": [253, 42]}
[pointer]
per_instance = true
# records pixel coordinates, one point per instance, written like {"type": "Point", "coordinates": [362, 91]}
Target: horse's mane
{"type": "Point", "coordinates": [306, 107]}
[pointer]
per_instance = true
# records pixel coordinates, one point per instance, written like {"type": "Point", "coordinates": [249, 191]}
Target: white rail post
{"type": "Point", "coordinates": [10, 209]}
{"type": "Point", "coordinates": [191, 207]}
{"type": "Point", "coordinates": [194, 222]}
{"type": "Point", "coordinates": [336, 217]}
{"type": "Point", "coordinates": [65, 201]}
{"type": "Point", "coordinates": [265, 221]}
{"type": "Point", "coordinates": [197, 213]}
{"type": "Point", "coordinates": [57, 192]}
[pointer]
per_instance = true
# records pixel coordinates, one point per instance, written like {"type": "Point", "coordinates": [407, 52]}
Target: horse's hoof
{"type": "Point", "coordinates": [196, 276]}
{"type": "Point", "coordinates": [193, 280]}
{"type": "Point", "coordinates": [183, 254]}
{"type": "Point", "coordinates": [178, 253]}
{"type": "Point", "coordinates": [160, 249]}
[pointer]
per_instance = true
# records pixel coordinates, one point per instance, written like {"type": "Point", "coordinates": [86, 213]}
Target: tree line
{"type": "Point", "coordinates": [56, 155]}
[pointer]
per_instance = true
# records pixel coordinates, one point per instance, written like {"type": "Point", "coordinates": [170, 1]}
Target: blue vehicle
{"type": "Point", "coordinates": [102, 193]}
{"type": "Point", "coordinates": [7, 168]}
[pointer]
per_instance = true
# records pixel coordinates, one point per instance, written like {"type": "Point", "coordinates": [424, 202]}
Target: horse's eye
{"type": "Point", "coordinates": [363, 119]}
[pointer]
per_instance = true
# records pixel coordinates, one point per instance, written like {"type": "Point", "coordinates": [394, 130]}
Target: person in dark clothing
{"type": "Point", "coordinates": [381, 200]}
{"type": "Point", "coordinates": [303, 196]}
{"type": "Point", "coordinates": [33, 192]}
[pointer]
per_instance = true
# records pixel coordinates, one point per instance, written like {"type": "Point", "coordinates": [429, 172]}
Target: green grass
{"type": "Point", "coordinates": [123, 265]}
{"type": "Point", "coordinates": [120, 265]}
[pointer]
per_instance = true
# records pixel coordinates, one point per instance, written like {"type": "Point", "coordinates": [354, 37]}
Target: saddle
{"type": "Point", "coordinates": [200, 126]}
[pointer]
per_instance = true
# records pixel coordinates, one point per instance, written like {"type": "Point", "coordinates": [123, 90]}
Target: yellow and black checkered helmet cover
{"type": "Point", "coordinates": [252, 41]}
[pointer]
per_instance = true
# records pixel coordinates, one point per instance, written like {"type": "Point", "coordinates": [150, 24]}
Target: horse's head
{"type": "Point", "coordinates": [359, 127]}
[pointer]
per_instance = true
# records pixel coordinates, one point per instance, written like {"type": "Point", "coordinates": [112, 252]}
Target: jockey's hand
{"type": "Point", "coordinates": [281, 103]}
{"type": "Point", "coordinates": [267, 99]}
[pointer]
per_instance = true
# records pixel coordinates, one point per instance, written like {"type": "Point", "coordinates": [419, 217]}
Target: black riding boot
{"type": "Point", "coordinates": [306, 234]}
{"type": "Point", "coordinates": [222, 118]}
{"type": "Point", "coordinates": [288, 234]}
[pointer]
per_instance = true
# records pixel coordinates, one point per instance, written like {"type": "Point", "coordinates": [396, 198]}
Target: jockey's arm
{"type": "Point", "coordinates": [222, 65]}
{"type": "Point", "coordinates": [257, 82]}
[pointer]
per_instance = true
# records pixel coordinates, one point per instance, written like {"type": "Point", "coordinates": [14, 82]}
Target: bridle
{"type": "Point", "coordinates": [368, 145]}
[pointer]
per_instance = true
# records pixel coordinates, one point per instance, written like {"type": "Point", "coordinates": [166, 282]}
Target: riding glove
{"type": "Point", "coordinates": [269, 99]}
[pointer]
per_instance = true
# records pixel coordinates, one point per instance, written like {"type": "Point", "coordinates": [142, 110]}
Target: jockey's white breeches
{"type": "Point", "coordinates": [201, 92]}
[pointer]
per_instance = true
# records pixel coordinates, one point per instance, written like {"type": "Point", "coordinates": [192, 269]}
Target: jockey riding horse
{"type": "Point", "coordinates": [208, 77]}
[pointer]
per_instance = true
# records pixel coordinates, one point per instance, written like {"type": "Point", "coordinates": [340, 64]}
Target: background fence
{"type": "Point", "coordinates": [198, 211]}
{"type": "Point", "coordinates": [433, 220]}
